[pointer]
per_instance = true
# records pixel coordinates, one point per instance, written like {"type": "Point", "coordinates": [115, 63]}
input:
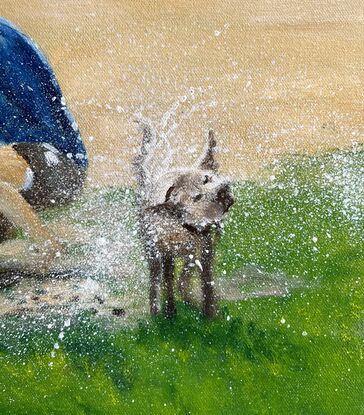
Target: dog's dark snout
{"type": "Point", "coordinates": [224, 197]}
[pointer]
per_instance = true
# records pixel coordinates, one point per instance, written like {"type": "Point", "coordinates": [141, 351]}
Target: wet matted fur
{"type": "Point", "coordinates": [180, 212]}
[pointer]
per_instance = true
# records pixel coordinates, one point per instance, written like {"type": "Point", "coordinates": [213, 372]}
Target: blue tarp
{"type": "Point", "coordinates": [32, 108]}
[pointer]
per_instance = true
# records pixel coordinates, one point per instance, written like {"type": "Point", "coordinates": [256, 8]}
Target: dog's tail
{"type": "Point", "coordinates": [148, 145]}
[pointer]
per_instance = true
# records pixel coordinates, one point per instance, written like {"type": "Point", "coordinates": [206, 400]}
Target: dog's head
{"type": "Point", "coordinates": [200, 196]}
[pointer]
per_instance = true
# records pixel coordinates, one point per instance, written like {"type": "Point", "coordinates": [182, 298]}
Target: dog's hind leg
{"type": "Point", "coordinates": [155, 270]}
{"type": "Point", "coordinates": [208, 292]}
{"type": "Point", "coordinates": [168, 282]}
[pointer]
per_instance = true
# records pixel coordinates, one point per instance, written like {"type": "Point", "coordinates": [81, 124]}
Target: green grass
{"type": "Point", "coordinates": [299, 223]}
{"type": "Point", "coordinates": [300, 354]}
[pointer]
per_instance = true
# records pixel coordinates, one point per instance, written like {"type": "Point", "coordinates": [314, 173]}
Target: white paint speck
{"type": "Point", "coordinates": [51, 158]}
{"type": "Point", "coordinates": [198, 263]}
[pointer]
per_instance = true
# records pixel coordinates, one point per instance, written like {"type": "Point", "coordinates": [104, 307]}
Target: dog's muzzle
{"type": "Point", "coordinates": [224, 197]}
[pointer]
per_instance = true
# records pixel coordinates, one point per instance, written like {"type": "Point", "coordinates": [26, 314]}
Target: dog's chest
{"type": "Point", "coordinates": [167, 233]}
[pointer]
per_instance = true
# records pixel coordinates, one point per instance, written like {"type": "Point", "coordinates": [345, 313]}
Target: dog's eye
{"type": "Point", "coordinates": [206, 179]}
{"type": "Point", "coordinates": [197, 198]}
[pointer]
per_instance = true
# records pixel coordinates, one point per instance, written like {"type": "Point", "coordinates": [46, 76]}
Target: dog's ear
{"type": "Point", "coordinates": [172, 202]}
{"type": "Point", "coordinates": [172, 206]}
{"type": "Point", "coordinates": [168, 194]}
{"type": "Point", "coordinates": [208, 162]}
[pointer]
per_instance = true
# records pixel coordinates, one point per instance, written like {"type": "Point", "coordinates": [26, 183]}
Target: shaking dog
{"type": "Point", "coordinates": [180, 212]}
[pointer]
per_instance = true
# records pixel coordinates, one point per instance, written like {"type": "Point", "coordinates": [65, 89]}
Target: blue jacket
{"type": "Point", "coordinates": [32, 108]}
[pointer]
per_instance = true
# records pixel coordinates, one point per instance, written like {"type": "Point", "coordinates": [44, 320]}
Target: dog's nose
{"type": "Point", "coordinates": [224, 197]}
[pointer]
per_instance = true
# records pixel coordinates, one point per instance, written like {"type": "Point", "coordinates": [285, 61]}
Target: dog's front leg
{"type": "Point", "coordinates": [155, 270]}
{"type": "Point", "coordinates": [208, 292]}
{"type": "Point", "coordinates": [168, 282]}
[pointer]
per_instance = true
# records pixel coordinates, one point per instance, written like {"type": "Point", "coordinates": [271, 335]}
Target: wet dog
{"type": "Point", "coordinates": [180, 212]}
